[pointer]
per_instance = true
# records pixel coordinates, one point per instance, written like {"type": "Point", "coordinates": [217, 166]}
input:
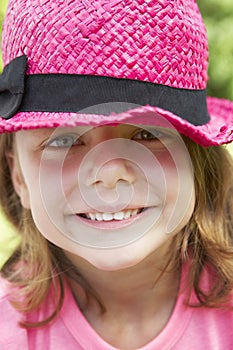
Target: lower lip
{"type": "Point", "coordinates": [114, 224]}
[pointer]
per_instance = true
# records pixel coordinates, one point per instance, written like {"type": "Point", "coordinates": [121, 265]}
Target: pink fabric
{"type": "Point", "coordinates": [218, 131]}
{"type": "Point", "coordinates": [162, 42]}
{"type": "Point", "coordinates": [187, 329]}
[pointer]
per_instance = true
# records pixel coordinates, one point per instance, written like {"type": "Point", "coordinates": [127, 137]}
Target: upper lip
{"type": "Point", "coordinates": [111, 210]}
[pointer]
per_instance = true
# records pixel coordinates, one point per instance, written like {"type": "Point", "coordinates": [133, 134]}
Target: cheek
{"type": "Point", "coordinates": [43, 180]}
{"type": "Point", "coordinates": [56, 178]}
{"type": "Point", "coordinates": [180, 193]}
{"type": "Point", "coordinates": [47, 201]}
{"type": "Point", "coordinates": [50, 198]}
{"type": "Point", "coordinates": [69, 177]}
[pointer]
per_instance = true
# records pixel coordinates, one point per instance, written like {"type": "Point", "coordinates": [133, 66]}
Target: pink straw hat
{"type": "Point", "coordinates": [109, 61]}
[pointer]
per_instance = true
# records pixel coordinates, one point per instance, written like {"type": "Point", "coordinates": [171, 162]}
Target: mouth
{"type": "Point", "coordinates": [112, 216]}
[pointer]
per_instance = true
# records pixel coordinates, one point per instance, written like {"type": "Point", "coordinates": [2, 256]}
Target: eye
{"type": "Point", "coordinates": [63, 141]}
{"type": "Point", "coordinates": [146, 135]}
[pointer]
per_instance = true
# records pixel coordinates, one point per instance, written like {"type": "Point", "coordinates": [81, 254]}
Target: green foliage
{"type": "Point", "coordinates": [218, 17]}
{"type": "Point", "coordinates": [2, 11]}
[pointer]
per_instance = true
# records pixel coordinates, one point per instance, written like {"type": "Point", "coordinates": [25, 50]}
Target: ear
{"type": "Point", "coordinates": [18, 179]}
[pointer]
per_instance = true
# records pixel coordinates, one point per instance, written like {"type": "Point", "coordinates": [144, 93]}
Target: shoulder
{"type": "Point", "coordinates": [220, 313]}
{"type": "Point", "coordinates": [8, 313]}
{"type": "Point", "coordinates": [4, 296]}
{"type": "Point", "coordinates": [207, 283]}
{"type": "Point", "coordinates": [210, 326]}
{"type": "Point", "coordinates": [11, 334]}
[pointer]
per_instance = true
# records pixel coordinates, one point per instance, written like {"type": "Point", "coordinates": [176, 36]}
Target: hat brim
{"type": "Point", "coordinates": [219, 130]}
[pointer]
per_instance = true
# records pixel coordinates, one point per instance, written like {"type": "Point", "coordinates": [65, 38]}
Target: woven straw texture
{"type": "Point", "coordinates": [217, 132]}
{"type": "Point", "coordinates": [160, 41]}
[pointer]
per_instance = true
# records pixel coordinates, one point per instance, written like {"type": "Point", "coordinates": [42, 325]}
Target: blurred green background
{"type": "Point", "coordinates": [218, 17]}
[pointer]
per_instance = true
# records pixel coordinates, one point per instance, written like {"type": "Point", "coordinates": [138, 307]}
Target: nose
{"type": "Point", "coordinates": [109, 163]}
{"type": "Point", "coordinates": [110, 176]}
{"type": "Point", "coordinates": [110, 185]}
{"type": "Point", "coordinates": [113, 172]}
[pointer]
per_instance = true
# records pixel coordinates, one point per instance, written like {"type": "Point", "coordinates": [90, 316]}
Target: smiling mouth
{"type": "Point", "coordinates": [117, 216]}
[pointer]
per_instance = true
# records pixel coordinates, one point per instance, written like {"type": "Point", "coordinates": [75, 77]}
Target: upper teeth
{"type": "Point", "coordinates": [120, 215]}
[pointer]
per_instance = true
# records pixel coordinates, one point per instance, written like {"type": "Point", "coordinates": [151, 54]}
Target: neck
{"type": "Point", "coordinates": [137, 301]}
{"type": "Point", "coordinates": [128, 290]}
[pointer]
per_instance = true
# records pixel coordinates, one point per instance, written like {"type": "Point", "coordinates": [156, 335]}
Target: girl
{"type": "Point", "coordinates": [113, 174]}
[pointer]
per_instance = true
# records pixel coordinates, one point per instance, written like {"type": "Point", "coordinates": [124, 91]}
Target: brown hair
{"type": "Point", "coordinates": [206, 240]}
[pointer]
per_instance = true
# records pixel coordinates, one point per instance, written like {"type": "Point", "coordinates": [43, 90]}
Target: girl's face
{"type": "Point", "coordinates": [111, 195]}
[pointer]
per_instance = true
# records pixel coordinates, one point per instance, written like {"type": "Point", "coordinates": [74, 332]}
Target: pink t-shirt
{"type": "Point", "coordinates": [187, 329]}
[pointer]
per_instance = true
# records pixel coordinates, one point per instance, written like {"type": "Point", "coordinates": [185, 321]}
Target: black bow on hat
{"type": "Point", "coordinates": [12, 82]}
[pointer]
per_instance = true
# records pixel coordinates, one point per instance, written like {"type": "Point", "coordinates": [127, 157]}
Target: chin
{"type": "Point", "coordinates": [115, 259]}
